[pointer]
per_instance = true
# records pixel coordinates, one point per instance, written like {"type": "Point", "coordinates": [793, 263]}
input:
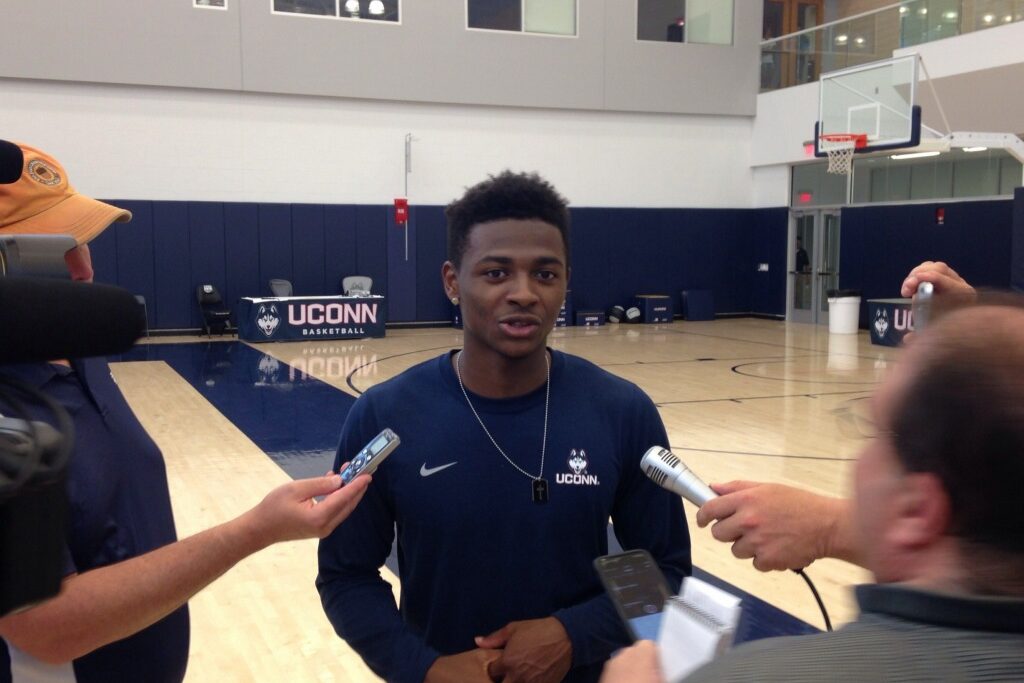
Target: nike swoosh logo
{"type": "Point", "coordinates": [427, 471]}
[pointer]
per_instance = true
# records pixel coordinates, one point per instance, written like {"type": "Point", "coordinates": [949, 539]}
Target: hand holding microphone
{"type": "Point", "coordinates": [782, 543]}
{"type": "Point", "coordinates": [779, 527]}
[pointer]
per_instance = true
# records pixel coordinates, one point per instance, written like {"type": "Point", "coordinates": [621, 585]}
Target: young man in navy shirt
{"type": "Point", "coordinates": [514, 457]}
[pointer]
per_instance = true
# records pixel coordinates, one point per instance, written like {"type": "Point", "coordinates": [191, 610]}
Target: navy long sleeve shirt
{"type": "Point", "coordinates": [474, 551]}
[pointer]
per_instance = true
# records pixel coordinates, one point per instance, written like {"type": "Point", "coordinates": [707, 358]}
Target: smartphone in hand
{"type": "Point", "coordinates": [638, 590]}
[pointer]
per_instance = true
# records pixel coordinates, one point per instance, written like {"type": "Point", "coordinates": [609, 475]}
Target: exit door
{"type": "Point", "coordinates": [813, 265]}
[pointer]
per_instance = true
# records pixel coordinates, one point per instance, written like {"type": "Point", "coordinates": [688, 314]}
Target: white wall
{"type": "Point", "coordinates": [785, 120]}
{"type": "Point", "coordinates": [134, 142]}
{"type": "Point", "coordinates": [771, 186]}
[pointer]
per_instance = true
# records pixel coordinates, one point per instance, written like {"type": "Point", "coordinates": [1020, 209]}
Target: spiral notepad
{"type": "Point", "coordinates": [698, 625]}
{"type": "Point", "coordinates": [699, 614]}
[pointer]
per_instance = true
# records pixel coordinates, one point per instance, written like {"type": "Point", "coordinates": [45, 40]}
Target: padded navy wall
{"type": "Point", "coordinates": [617, 253]}
{"type": "Point", "coordinates": [431, 253]}
{"type": "Point", "coordinates": [768, 244]}
{"type": "Point", "coordinates": [401, 261]}
{"type": "Point", "coordinates": [371, 256]}
{"type": "Point", "coordinates": [1017, 267]}
{"type": "Point", "coordinates": [880, 244]}
{"type": "Point", "coordinates": [171, 247]}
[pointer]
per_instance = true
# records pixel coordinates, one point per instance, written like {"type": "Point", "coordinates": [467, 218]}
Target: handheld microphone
{"type": "Point", "coordinates": [12, 162]}
{"type": "Point", "coordinates": [666, 470]}
{"type": "Point", "coordinates": [922, 305]}
{"type": "Point", "coordinates": [669, 472]}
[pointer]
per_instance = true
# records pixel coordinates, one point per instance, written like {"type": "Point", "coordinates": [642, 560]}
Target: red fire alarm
{"type": "Point", "coordinates": [401, 210]}
{"type": "Point", "coordinates": [940, 216]}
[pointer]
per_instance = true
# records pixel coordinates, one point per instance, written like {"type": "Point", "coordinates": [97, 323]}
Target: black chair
{"type": "Point", "coordinates": [145, 314]}
{"type": "Point", "coordinates": [356, 285]}
{"type": "Point", "coordinates": [216, 316]}
{"type": "Point", "coordinates": [281, 288]}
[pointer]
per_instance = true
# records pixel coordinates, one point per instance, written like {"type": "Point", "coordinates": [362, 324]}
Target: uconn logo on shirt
{"type": "Point", "coordinates": [578, 477]}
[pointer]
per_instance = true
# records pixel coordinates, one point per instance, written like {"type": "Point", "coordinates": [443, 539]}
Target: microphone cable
{"type": "Point", "coordinates": [817, 597]}
{"type": "Point", "coordinates": [667, 470]}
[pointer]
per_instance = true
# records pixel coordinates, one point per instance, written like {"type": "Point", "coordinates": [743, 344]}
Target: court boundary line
{"type": "Point", "coordinates": [735, 369]}
{"type": "Point", "coordinates": [785, 456]}
{"type": "Point", "coordinates": [740, 399]}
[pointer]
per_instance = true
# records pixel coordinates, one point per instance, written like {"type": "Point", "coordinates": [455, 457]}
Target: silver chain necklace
{"type": "Point", "coordinates": [538, 484]}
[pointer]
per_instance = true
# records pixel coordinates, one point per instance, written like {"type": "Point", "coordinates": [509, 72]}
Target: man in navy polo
{"type": "Point", "coordinates": [121, 613]}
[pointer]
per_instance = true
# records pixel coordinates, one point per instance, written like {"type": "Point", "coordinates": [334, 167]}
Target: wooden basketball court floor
{"type": "Point", "coordinates": [741, 399]}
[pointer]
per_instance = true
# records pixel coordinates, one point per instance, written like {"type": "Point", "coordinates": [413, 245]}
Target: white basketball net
{"type": "Point", "coordinates": [840, 152]}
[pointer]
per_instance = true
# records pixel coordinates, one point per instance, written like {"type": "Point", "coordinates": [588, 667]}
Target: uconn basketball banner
{"type": "Point", "coordinates": [306, 318]}
{"type": "Point", "coordinates": [889, 320]}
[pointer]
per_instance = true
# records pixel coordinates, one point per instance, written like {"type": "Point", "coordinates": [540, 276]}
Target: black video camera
{"type": "Point", "coordinates": [44, 316]}
{"type": "Point", "coordinates": [33, 454]}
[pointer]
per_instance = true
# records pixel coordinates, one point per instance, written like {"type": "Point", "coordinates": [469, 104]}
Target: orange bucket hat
{"type": "Point", "coordinates": [43, 202]}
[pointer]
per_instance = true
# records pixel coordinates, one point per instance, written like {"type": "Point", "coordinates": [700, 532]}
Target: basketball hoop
{"type": "Point", "coordinates": [839, 147]}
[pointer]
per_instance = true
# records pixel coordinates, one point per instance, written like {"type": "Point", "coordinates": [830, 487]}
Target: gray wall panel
{"type": "Point", "coordinates": [429, 57]}
{"type": "Point", "coordinates": [683, 77]}
{"type": "Point", "coordinates": [153, 42]}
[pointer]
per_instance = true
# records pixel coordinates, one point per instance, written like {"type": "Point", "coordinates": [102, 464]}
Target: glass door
{"type": "Point", "coordinates": [813, 265]}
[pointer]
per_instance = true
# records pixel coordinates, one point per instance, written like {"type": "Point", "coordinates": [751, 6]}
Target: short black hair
{"type": "Point", "coordinates": [508, 195]}
{"type": "Point", "coordinates": [961, 418]}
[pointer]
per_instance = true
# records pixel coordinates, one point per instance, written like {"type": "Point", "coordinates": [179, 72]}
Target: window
{"type": "Point", "coordinates": [685, 21]}
{"type": "Point", "coordinates": [953, 174]}
{"type": "Point", "coordinates": [372, 10]}
{"type": "Point", "coordinates": [553, 17]}
{"type": "Point", "coordinates": [812, 186]}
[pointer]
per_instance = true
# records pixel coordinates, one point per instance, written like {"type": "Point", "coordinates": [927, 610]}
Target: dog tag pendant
{"type": "Point", "coordinates": [540, 490]}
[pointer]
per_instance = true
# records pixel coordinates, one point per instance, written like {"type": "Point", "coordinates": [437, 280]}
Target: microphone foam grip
{"type": "Point", "coordinates": [46, 319]}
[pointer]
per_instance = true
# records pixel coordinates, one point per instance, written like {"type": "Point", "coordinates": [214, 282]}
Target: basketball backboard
{"type": "Point", "coordinates": [875, 100]}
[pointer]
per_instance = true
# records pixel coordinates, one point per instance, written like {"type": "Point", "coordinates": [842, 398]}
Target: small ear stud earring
{"type": "Point", "coordinates": [455, 301]}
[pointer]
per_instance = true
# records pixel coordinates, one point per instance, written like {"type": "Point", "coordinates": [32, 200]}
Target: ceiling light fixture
{"type": "Point", "coordinates": [352, 6]}
{"type": "Point", "coordinates": [842, 38]}
{"type": "Point", "coordinates": [376, 7]}
{"type": "Point", "coordinates": [913, 155]}
{"type": "Point", "coordinates": [975, 149]}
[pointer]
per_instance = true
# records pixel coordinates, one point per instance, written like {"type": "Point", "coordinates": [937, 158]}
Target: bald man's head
{"type": "Point", "coordinates": [959, 414]}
